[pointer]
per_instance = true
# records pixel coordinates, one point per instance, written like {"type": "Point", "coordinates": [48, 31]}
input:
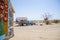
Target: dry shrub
{"type": "Point", "coordinates": [47, 22]}
{"type": "Point", "coordinates": [56, 21]}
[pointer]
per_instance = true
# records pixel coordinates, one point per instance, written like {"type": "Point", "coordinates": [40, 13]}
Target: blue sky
{"type": "Point", "coordinates": [34, 9]}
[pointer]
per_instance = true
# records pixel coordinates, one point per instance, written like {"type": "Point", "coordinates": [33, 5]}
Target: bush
{"type": "Point", "coordinates": [47, 22]}
{"type": "Point", "coordinates": [56, 21]}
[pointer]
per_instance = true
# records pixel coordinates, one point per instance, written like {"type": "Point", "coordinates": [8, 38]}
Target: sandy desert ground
{"type": "Point", "coordinates": [44, 32]}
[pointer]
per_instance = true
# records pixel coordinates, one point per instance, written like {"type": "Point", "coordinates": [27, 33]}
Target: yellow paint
{"type": "Point", "coordinates": [5, 23]}
{"type": "Point", "coordinates": [6, 27]}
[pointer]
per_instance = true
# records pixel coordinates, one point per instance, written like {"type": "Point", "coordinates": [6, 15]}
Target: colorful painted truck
{"type": "Point", "coordinates": [23, 21]}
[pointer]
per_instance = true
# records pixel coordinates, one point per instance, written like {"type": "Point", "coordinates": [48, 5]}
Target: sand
{"type": "Point", "coordinates": [45, 32]}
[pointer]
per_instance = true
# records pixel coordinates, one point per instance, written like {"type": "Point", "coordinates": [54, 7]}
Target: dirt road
{"type": "Point", "coordinates": [45, 32]}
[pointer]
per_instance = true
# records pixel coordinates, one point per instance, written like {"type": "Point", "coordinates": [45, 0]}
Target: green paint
{"type": "Point", "coordinates": [1, 27]}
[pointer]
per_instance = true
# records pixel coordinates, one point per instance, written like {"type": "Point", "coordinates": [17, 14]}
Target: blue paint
{"type": "Point", "coordinates": [2, 37]}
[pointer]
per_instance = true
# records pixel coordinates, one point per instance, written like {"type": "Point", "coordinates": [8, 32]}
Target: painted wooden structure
{"type": "Point", "coordinates": [6, 15]}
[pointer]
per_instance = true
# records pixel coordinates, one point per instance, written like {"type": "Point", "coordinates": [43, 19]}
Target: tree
{"type": "Point", "coordinates": [46, 17]}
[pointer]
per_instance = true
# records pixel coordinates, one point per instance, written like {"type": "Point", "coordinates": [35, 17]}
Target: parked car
{"type": "Point", "coordinates": [31, 23]}
{"type": "Point", "coordinates": [22, 21]}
